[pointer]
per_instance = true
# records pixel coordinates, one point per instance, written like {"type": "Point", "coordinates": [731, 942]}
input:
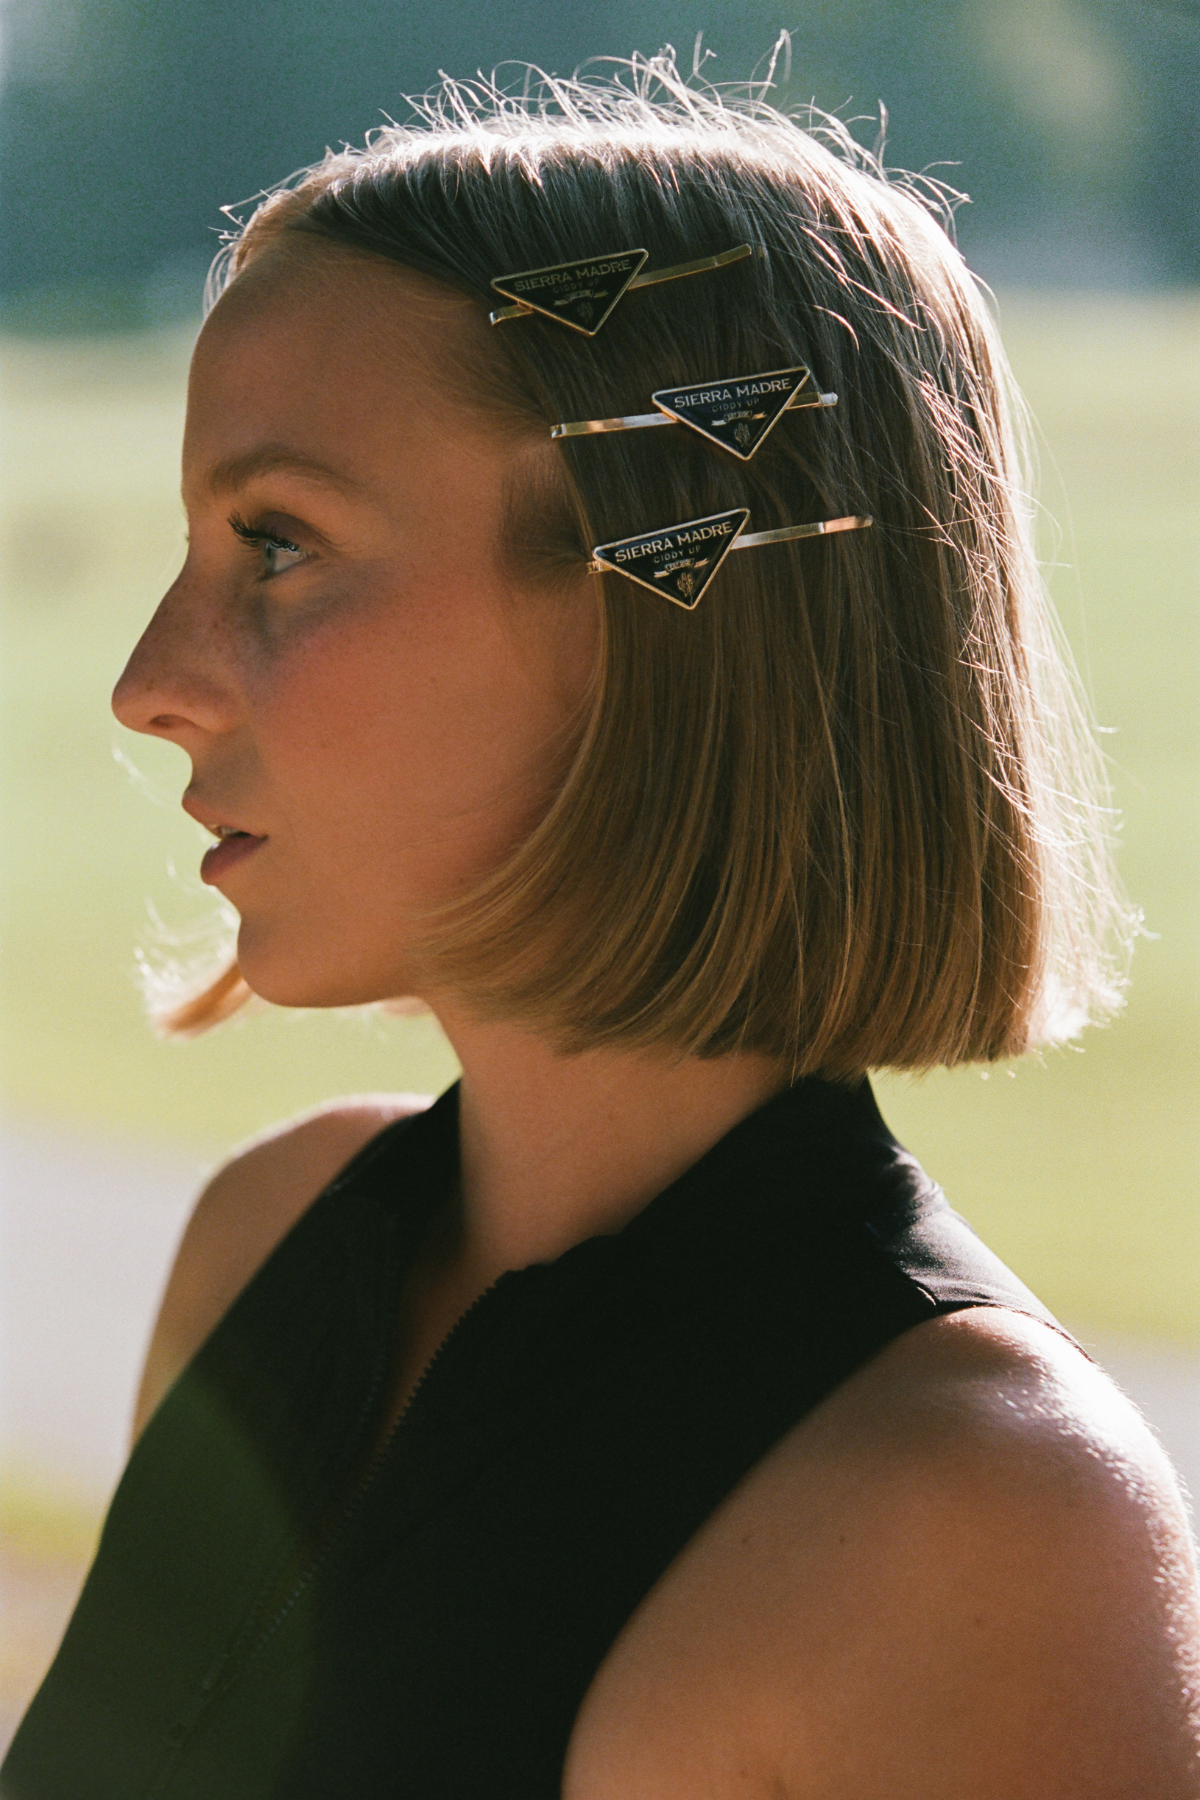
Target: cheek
{"type": "Point", "coordinates": [398, 741]}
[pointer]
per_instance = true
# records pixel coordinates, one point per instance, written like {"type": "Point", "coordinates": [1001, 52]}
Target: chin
{"type": "Point", "coordinates": [297, 976]}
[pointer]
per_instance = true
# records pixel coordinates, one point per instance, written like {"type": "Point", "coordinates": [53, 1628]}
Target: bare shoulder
{"type": "Point", "coordinates": [249, 1204]}
{"type": "Point", "coordinates": [968, 1571]}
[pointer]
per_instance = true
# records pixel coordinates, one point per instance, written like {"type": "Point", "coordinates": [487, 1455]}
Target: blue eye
{"type": "Point", "coordinates": [276, 555]}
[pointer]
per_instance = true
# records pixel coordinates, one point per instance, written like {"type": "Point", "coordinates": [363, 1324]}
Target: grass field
{"type": "Point", "coordinates": [1081, 1170]}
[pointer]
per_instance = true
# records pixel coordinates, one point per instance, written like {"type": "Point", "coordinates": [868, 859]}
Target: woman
{"type": "Point", "coordinates": [638, 1420]}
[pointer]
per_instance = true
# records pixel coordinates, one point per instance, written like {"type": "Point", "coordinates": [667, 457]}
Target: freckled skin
{"type": "Point", "coordinates": [386, 708]}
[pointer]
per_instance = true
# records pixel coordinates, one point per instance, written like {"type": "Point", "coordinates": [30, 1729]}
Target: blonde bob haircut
{"type": "Point", "coordinates": [848, 811]}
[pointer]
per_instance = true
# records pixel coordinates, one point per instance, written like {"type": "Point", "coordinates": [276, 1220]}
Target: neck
{"type": "Point", "coordinates": [556, 1149]}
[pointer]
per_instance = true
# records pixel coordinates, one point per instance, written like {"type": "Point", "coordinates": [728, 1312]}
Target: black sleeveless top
{"type": "Point", "coordinates": [267, 1616]}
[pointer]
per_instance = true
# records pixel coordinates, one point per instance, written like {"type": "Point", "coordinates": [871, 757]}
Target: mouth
{"type": "Point", "coordinates": [232, 847]}
{"type": "Point", "coordinates": [234, 844]}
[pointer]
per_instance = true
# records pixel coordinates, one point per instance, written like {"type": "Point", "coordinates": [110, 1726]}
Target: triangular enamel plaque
{"type": "Point", "coordinates": [578, 294]}
{"type": "Point", "coordinates": [679, 561]}
{"type": "Point", "coordinates": [736, 414]}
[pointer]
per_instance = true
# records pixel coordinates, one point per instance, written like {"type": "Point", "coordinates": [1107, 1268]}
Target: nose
{"type": "Point", "coordinates": [174, 685]}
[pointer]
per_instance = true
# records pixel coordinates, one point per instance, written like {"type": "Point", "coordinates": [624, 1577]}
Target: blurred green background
{"type": "Point", "coordinates": [126, 124]}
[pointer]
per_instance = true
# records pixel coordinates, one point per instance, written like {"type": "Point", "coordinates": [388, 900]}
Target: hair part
{"type": "Point", "coordinates": [849, 811]}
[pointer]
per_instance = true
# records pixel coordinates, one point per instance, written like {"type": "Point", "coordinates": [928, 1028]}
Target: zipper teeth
{"type": "Point", "coordinates": [244, 1645]}
{"type": "Point", "coordinates": [369, 1476]}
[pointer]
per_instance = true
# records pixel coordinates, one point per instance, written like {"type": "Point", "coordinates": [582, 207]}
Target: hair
{"type": "Point", "coordinates": [848, 811]}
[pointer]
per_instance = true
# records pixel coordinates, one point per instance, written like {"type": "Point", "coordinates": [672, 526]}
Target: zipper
{"type": "Point", "coordinates": [256, 1635]}
{"type": "Point", "coordinates": [235, 1657]}
{"type": "Point", "coordinates": [245, 1645]}
{"type": "Point", "coordinates": [367, 1480]}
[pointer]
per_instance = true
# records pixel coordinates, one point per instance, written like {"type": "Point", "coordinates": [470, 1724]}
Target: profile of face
{"type": "Point", "coordinates": [369, 695]}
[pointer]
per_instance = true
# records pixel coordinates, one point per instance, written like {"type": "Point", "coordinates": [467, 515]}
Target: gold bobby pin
{"type": "Point", "coordinates": [582, 294]}
{"type": "Point", "coordinates": [679, 561]}
{"type": "Point", "coordinates": [735, 413]}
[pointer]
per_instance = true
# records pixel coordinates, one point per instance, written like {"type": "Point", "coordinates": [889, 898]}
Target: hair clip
{"type": "Point", "coordinates": [582, 294]}
{"type": "Point", "coordinates": [735, 413]}
{"type": "Point", "coordinates": [679, 561]}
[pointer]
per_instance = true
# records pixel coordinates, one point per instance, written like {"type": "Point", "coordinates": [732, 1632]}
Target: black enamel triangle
{"type": "Point", "coordinates": [738, 413]}
{"type": "Point", "coordinates": [578, 294]}
{"type": "Point", "coordinates": [678, 561]}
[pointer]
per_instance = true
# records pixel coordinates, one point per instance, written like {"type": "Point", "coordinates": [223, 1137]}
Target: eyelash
{"type": "Point", "coordinates": [256, 539]}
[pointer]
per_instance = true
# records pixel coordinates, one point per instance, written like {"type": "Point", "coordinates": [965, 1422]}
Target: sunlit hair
{"type": "Point", "coordinates": [848, 811]}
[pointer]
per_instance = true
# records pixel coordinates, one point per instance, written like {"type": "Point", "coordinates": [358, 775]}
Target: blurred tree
{"type": "Point", "coordinates": [126, 124]}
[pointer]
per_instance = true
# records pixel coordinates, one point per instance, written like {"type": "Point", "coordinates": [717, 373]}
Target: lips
{"type": "Point", "coordinates": [233, 848]}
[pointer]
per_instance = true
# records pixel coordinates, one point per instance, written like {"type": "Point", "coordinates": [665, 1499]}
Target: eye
{"type": "Point", "coordinates": [276, 555]}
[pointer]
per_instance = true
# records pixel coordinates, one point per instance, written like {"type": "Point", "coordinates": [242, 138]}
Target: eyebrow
{"type": "Point", "coordinates": [235, 472]}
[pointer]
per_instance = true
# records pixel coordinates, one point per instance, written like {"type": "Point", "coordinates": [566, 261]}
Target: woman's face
{"type": "Point", "coordinates": [363, 687]}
